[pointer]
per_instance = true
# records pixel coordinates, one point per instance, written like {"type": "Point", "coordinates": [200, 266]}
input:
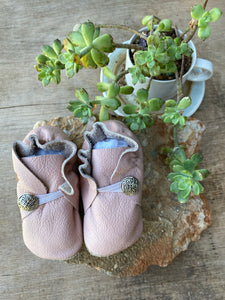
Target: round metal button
{"type": "Point", "coordinates": [130, 185]}
{"type": "Point", "coordinates": [28, 202]}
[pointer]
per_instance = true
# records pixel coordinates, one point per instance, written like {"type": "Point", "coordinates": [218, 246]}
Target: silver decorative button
{"type": "Point", "coordinates": [28, 202]}
{"type": "Point", "coordinates": [130, 185]}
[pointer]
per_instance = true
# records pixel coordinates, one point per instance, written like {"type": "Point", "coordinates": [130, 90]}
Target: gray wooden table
{"type": "Point", "coordinates": [199, 273]}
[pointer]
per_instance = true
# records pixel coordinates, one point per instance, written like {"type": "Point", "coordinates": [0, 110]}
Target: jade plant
{"type": "Point", "coordinates": [161, 50]}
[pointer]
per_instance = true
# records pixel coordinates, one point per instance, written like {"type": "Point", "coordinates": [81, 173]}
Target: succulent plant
{"type": "Point", "coordinates": [158, 53]}
{"type": "Point", "coordinates": [161, 54]}
{"type": "Point", "coordinates": [49, 66]}
{"type": "Point", "coordinates": [185, 176]}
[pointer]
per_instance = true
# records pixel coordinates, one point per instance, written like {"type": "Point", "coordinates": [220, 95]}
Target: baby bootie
{"type": "Point", "coordinates": [48, 193]}
{"type": "Point", "coordinates": [111, 188]}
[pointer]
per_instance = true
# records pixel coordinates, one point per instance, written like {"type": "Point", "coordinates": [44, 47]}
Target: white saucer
{"type": "Point", "coordinates": [195, 90]}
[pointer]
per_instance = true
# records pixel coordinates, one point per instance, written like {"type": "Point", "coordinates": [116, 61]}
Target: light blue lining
{"type": "Point", "coordinates": [110, 143]}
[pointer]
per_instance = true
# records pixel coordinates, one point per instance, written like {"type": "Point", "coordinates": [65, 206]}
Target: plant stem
{"type": "Point", "coordinates": [192, 32]}
{"type": "Point", "coordinates": [205, 3]}
{"type": "Point", "coordinates": [85, 51]}
{"type": "Point", "coordinates": [186, 31]}
{"type": "Point", "coordinates": [175, 137]}
{"type": "Point", "coordinates": [182, 68]}
{"type": "Point", "coordinates": [129, 46]}
{"type": "Point", "coordinates": [149, 83]}
{"type": "Point", "coordinates": [121, 27]}
{"type": "Point", "coordinates": [121, 75]}
{"type": "Point", "coordinates": [179, 87]}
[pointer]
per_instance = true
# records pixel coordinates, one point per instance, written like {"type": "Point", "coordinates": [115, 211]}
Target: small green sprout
{"type": "Point", "coordinates": [204, 18]}
{"type": "Point", "coordinates": [139, 115]}
{"type": "Point", "coordinates": [81, 108]}
{"type": "Point", "coordinates": [173, 112]}
{"type": "Point", "coordinates": [49, 65]}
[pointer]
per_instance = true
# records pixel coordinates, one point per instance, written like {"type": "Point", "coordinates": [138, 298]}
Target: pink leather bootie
{"type": "Point", "coordinates": [111, 188]}
{"type": "Point", "coordinates": [48, 193]}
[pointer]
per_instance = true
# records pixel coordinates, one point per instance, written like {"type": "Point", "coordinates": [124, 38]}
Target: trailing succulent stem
{"type": "Point", "coordinates": [162, 50]}
{"type": "Point", "coordinates": [84, 107]}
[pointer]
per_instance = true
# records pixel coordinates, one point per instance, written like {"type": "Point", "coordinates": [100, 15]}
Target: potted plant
{"type": "Point", "coordinates": [164, 53]}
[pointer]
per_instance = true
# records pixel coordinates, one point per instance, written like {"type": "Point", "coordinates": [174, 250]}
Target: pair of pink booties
{"type": "Point", "coordinates": [49, 190]}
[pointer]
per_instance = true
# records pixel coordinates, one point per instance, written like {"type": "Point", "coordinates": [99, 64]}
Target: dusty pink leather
{"type": "Point", "coordinates": [112, 220]}
{"type": "Point", "coordinates": [53, 230]}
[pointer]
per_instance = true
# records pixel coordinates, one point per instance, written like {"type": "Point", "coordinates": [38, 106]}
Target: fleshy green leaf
{"type": "Point", "coordinates": [100, 58]}
{"type": "Point", "coordinates": [77, 39]}
{"type": "Point", "coordinates": [57, 46]}
{"type": "Point", "coordinates": [186, 192]}
{"type": "Point", "coordinates": [196, 158]}
{"type": "Point", "coordinates": [88, 30]}
{"type": "Point", "coordinates": [215, 14]}
{"type": "Point", "coordinates": [41, 59]}
{"type": "Point", "coordinates": [174, 187]}
{"type": "Point", "coordinates": [49, 52]}
{"type": "Point", "coordinates": [70, 72]}
{"type": "Point", "coordinates": [179, 154]}
{"type": "Point", "coordinates": [155, 104]}
{"type": "Point", "coordinates": [142, 95]}
{"type": "Point", "coordinates": [170, 103]}
{"type": "Point", "coordinates": [202, 23]}
{"type": "Point", "coordinates": [113, 90]}
{"type": "Point", "coordinates": [197, 188]}
{"type": "Point", "coordinates": [184, 103]}
{"type": "Point", "coordinates": [204, 33]}
{"type": "Point", "coordinates": [108, 73]}
{"type": "Point", "coordinates": [126, 90]}
{"type": "Point", "coordinates": [102, 86]}
{"type": "Point", "coordinates": [189, 165]}
{"type": "Point", "coordinates": [46, 80]}
{"type": "Point", "coordinates": [180, 198]}
{"type": "Point", "coordinates": [147, 19]}
{"type": "Point", "coordinates": [197, 11]}
{"type": "Point", "coordinates": [68, 45]}
{"type": "Point", "coordinates": [162, 58]}
{"type": "Point", "coordinates": [167, 25]}
{"type": "Point", "coordinates": [82, 95]}
{"type": "Point", "coordinates": [204, 172]}
{"type": "Point", "coordinates": [103, 114]}
{"type": "Point", "coordinates": [197, 175]}
{"type": "Point", "coordinates": [130, 108]}
{"type": "Point", "coordinates": [104, 43]}
{"type": "Point", "coordinates": [134, 127]}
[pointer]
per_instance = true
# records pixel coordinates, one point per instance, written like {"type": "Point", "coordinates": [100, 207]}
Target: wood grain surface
{"type": "Point", "coordinates": [198, 273]}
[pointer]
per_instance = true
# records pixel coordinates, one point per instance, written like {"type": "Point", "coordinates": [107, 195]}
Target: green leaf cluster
{"type": "Point", "coordinates": [164, 25]}
{"type": "Point", "coordinates": [204, 18]}
{"type": "Point", "coordinates": [108, 102]}
{"type": "Point", "coordinates": [139, 116]}
{"type": "Point", "coordinates": [90, 46]}
{"type": "Point", "coordinates": [48, 64]}
{"type": "Point", "coordinates": [81, 108]}
{"type": "Point", "coordinates": [82, 48]}
{"type": "Point", "coordinates": [185, 176]}
{"type": "Point", "coordinates": [160, 57]}
{"type": "Point", "coordinates": [173, 112]}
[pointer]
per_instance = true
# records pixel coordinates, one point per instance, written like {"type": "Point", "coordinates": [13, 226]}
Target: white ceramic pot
{"type": "Point", "coordinates": [200, 70]}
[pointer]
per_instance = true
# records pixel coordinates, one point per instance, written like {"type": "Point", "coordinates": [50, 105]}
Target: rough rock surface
{"type": "Point", "coordinates": [169, 226]}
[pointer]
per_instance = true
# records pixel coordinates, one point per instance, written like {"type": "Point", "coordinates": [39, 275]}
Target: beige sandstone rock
{"type": "Point", "coordinates": [169, 226]}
